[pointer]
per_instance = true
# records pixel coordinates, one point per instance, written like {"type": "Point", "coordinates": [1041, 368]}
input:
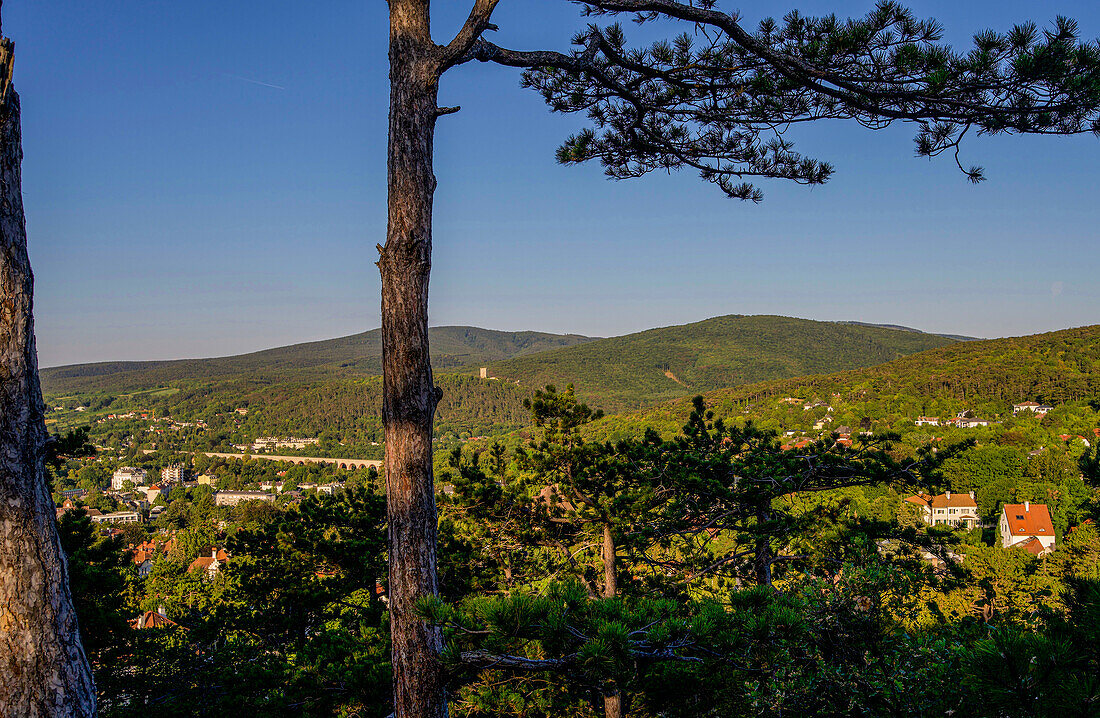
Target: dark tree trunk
{"type": "Point", "coordinates": [43, 669]}
{"type": "Point", "coordinates": [763, 550]}
{"type": "Point", "coordinates": [410, 396]}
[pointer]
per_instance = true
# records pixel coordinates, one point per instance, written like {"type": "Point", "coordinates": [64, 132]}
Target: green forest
{"type": "Point", "coordinates": [657, 365]}
{"type": "Point", "coordinates": [750, 551]}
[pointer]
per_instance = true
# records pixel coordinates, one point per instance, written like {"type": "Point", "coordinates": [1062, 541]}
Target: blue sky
{"type": "Point", "coordinates": [207, 178]}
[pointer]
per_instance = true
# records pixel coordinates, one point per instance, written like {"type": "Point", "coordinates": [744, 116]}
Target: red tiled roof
{"type": "Point", "coordinates": [1032, 545]}
{"type": "Point", "coordinates": [152, 619]}
{"type": "Point", "coordinates": [957, 500]}
{"type": "Point", "coordinates": [203, 562]}
{"type": "Point", "coordinates": [1034, 520]}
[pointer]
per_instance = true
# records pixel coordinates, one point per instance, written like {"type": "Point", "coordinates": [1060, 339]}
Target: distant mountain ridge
{"type": "Point", "coordinates": [902, 328]}
{"type": "Point", "coordinates": [616, 374]}
{"type": "Point", "coordinates": [645, 368]}
{"type": "Point", "coordinates": [358, 355]}
{"type": "Point", "coordinates": [986, 376]}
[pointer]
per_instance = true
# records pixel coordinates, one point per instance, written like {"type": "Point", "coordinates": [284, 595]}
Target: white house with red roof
{"type": "Point", "coordinates": [210, 564]}
{"type": "Point", "coordinates": [1032, 406]}
{"type": "Point", "coordinates": [951, 509]}
{"type": "Point", "coordinates": [1020, 523]}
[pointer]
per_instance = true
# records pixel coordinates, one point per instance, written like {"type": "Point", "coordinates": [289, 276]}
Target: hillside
{"type": "Point", "coordinates": [359, 355]}
{"type": "Point", "coordinates": [985, 377]}
{"type": "Point", "coordinates": [657, 365]}
{"type": "Point", "coordinates": [344, 413]}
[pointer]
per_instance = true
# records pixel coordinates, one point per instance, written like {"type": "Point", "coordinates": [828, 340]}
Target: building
{"type": "Point", "coordinates": [143, 560]}
{"type": "Point", "coordinates": [153, 619]}
{"type": "Point", "coordinates": [232, 498]}
{"type": "Point", "coordinates": [928, 421]}
{"type": "Point", "coordinates": [172, 473]}
{"type": "Point", "coordinates": [118, 517]}
{"type": "Point", "coordinates": [206, 480]}
{"type": "Point", "coordinates": [1022, 522]}
{"type": "Point", "coordinates": [128, 473]}
{"type": "Point", "coordinates": [484, 372]}
{"type": "Point", "coordinates": [951, 509]}
{"type": "Point", "coordinates": [965, 423]}
{"type": "Point", "coordinates": [210, 564]}
{"type": "Point", "coordinates": [152, 492]}
{"type": "Point", "coordinates": [1034, 407]}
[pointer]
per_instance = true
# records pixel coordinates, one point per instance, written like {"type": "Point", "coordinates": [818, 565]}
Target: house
{"type": "Point", "coordinates": [153, 619]}
{"type": "Point", "coordinates": [232, 498]}
{"type": "Point", "coordinates": [950, 509]}
{"type": "Point", "coordinates": [928, 421]}
{"type": "Point", "coordinates": [143, 560]}
{"type": "Point", "coordinates": [152, 492]}
{"type": "Point", "coordinates": [210, 564]}
{"type": "Point", "coordinates": [965, 423]}
{"type": "Point", "coordinates": [128, 473]}
{"type": "Point", "coordinates": [1022, 522]}
{"type": "Point", "coordinates": [1034, 407]}
{"type": "Point", "coordinates": [206, 480]}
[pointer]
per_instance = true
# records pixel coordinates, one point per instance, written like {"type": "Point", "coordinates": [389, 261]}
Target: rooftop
{"type": "Point", "coordinates": [1028, 519]}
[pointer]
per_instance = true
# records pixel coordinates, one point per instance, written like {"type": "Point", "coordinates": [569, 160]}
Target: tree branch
{"type": "Point", "coordinates": [475, 25]}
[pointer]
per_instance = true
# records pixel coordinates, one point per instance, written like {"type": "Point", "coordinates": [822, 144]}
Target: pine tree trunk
{"type": "Point", "coordinates": [608, 556]}
{"type": "Point", "coordinates": [409, 393]}
{"type": "Point", "coordinates": [613, 699]}
{"type": "Point", "coordinates": [763, 550]}
{"type": "Point", "coordinates": [43, 669]}
{"type": "Point", "coordinates": [613, 705]}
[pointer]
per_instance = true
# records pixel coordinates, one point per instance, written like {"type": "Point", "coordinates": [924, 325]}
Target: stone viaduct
{"type": "Point", "coordinates": [301, 460]}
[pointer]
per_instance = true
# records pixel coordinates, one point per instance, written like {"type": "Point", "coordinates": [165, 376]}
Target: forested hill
{"type": "Point", "coordinates": [649, 367]}
{"type": "Point", "coordinates": [359, 355]}
{"type": "Point", "coordinates": [984, 377]}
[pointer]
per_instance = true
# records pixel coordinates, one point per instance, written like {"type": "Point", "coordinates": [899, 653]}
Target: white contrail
{"type": "Point", "coordinates": [254, 82]}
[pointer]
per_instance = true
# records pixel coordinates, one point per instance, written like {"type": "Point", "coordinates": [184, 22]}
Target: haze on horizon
{"type": "Point", "coordinates": [192, 189]}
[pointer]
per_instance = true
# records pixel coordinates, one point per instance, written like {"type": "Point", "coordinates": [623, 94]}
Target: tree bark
{"type": "Point", "coordinates": [43, 669]}
{"type": "Point", "coordinates": [608, 556]}
{"type": "Point", "coordinates": [764, 553]}
{"type": "Point", "coordinates": [613, 698]}
{"type": "Point", "coordinates": [613, 705]}
{"type": "Point", "coordinates": [409, 393]}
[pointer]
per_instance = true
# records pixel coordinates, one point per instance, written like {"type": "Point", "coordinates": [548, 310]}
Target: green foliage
{"type": "Point", "coordinates": [96, 579]}
{"type": "Point", "coordinates": [290, 625]}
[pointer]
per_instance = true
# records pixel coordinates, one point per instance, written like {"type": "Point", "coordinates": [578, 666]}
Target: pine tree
{"type": "Point", "coordinates": [717, 103]}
